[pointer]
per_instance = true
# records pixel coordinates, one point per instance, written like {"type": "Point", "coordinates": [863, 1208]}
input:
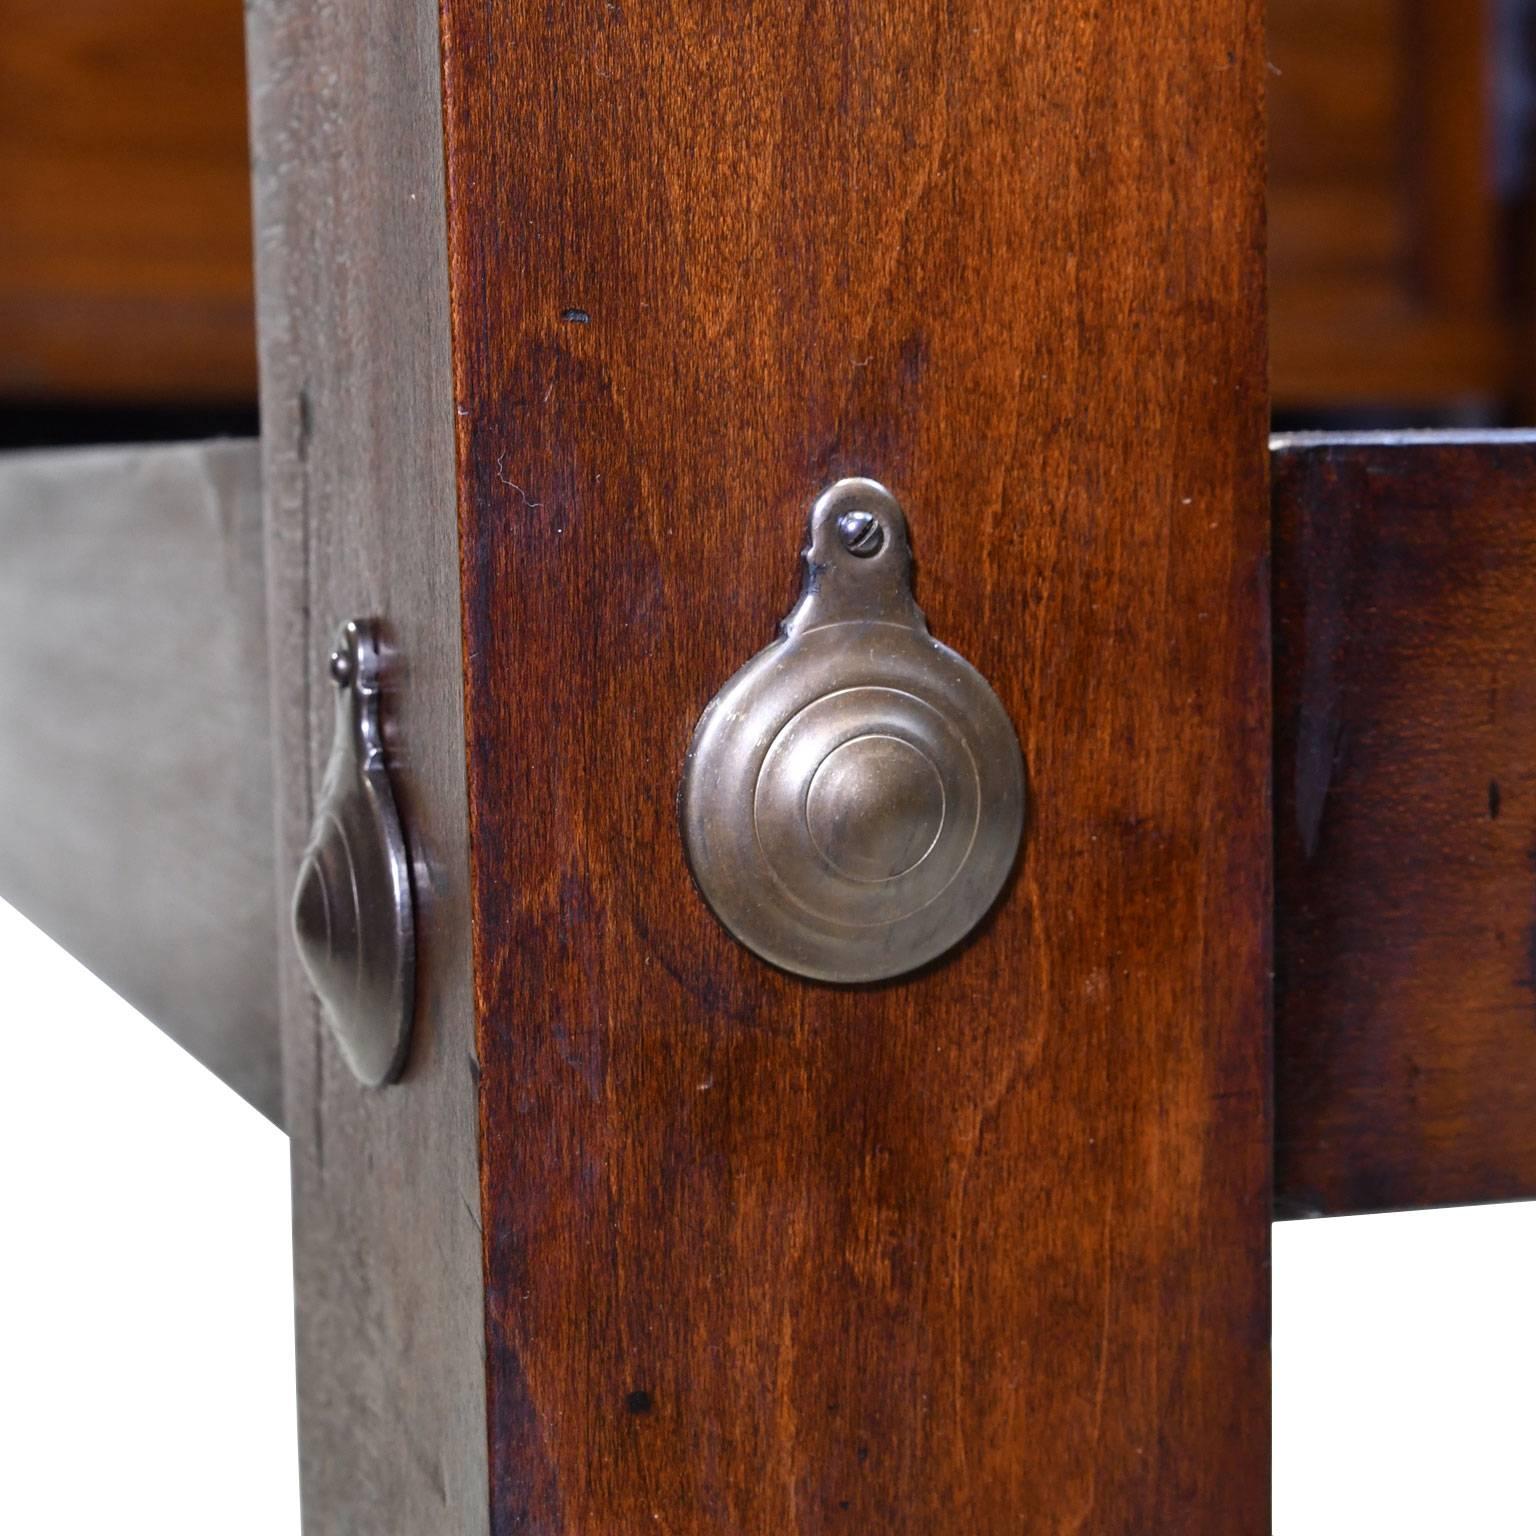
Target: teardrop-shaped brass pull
{"type": "Point", "coordinates": [352, 910]}
{"type": "Point", "coordinates": [854, 796]}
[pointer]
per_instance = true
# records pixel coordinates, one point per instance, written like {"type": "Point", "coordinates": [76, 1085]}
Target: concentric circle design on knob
{"type": "Point", "coordinates": [875, 807]}
{"type": "Point", "coordinates": [854, 796]}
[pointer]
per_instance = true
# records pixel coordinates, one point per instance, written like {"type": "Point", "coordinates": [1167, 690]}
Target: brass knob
{"type": "Point", "coordinates": [353, 917]}
{"type": "Point", "coordinates": [854, 796]}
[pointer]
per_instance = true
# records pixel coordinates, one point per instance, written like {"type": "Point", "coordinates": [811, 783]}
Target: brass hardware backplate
{"type": "Point", "coordinates": [853, 798]}
{"type": "Point", "coordinates": [353, 916]}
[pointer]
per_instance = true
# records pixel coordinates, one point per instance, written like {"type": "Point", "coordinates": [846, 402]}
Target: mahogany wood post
{"type": "Point", "coordinates": [985, 1248]}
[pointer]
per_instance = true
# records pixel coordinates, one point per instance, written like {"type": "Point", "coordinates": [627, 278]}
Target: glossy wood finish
{"type": "Point", "coordinates": [1405, 821]}
{"type": "Point", "coordinates": [357, 426]}
{"type": "Point", "coordinates": [125, 228]}
{"type": "Point", "coordinates": [135, 749]}
{"type": "Point", "coordinates": [983, 1249]}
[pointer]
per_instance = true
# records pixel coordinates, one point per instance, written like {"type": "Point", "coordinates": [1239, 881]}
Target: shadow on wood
{"type": "Point", "coordinates": [135, 764]}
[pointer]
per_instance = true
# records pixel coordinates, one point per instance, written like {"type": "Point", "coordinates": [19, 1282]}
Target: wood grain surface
{"type": "Point", "coordinates": [1405, 821]}
{"type": "Point", "coordinates": [984, 1249]}
{"type": "Point", "coordinates": [357, 430]}
{"type": "Point", "coordinates": [135, 744]}
{"type": "Point", "coordinates": [125, 202]}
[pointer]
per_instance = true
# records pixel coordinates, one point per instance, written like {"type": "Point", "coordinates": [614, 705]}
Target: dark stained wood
{"type": "Point", "coordinates": [357, 427]}
{"type": "Point", "coordinates": [125, 227]}
{"type": "Point", "coordinates": [135, 749]}
{"type": "Point", "coordinates": [1405, 821]}
{"type": "Point", "coordinates": [984, 1249]}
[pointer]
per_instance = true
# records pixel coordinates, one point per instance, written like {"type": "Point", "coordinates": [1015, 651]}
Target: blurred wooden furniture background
{"type": "Point", "coordinates": [125, 257]}
{"type": "Point", "coordinates": [1388, 243]}
{"type": "Point", "coordinates": [125, 196]}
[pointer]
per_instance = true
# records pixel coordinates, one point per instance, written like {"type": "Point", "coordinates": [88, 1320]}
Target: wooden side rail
{"type": "Point", "coordinates": [1405, 820]}
{"type": "Point", "coordinates": [135, 766]}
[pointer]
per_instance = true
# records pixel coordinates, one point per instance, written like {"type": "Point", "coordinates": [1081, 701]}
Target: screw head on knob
{"type": "Point", "coordinates": [854, 796]}
{"type": "Point", "coordinates": [861, 533]}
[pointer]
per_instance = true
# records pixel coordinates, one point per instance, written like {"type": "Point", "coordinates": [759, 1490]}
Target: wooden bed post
{"type": "Point", "coordinates": [977, 1250]}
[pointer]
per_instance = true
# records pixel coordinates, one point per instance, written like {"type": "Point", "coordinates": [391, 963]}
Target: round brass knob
{"type": "Point", "coordinates": [875, 807]}
{"type": "Point", "coordinates": [854, 796]}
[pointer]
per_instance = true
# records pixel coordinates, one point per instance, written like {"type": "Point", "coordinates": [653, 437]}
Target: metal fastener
{"type": "Point", "coordinates": [861, 533]}
{"type": "Point", "coordinates": [353, 916]}
{"type": "Point", "coordinates": [854, 797]}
